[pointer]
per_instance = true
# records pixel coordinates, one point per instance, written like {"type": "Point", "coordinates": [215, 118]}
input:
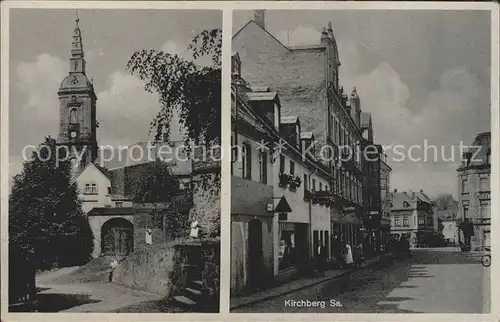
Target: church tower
{"type": "Point", "coordinates": [77, 104]}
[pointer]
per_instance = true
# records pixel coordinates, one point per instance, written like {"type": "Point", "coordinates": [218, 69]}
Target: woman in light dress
{"type": "Point", "coordinates": [348, 255]}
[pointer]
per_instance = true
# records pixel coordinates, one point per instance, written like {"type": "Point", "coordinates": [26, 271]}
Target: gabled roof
{"type": "Point", "coordinates": [289, 119]}
{"type": "Point", "coordinates": [479, 151]}
{"type": "Point", "coordinates": [399, 199]}
{"type": "Point", "coordinates": [267, 32]}
{"type": "Point", "coordinates": [423, 197]}
{"type": "Point", "coordinates": [306, 135]}
{"type": "Point", "coordinates": [260, 89]}
{"type": "Point", "coordinates": [104, 171]}
{"type": "Point", "coordinates": [365, 119]}
{"type": "Point", "coordinates": [261, 96]}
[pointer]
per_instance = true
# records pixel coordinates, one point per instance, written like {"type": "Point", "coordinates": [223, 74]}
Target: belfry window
{"type": "Point", "coordinates": [73, 116]}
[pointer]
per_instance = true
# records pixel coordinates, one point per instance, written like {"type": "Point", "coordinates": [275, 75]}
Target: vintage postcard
{"type": "Point", "coordinates": [233, 160]}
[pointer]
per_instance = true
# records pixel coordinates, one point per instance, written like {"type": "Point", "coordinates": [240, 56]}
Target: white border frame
{"type": "Point", "coordinates": [227, 8]}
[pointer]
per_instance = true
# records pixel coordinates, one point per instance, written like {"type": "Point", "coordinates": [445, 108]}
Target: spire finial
{"type": "Point", "coordinates": [329, 26]}
{"type": "Point", "coordinates": [77, 18]}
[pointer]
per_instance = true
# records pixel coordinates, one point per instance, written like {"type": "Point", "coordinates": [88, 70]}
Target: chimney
{"type": "Point", "coordinates": [324, 37]}
{"type": "Point", "coordinates": [330, 30]}
{"type": "Point", "coordinates": [259, 16]}
{"type": "Point", "coordinates": [395, 190]}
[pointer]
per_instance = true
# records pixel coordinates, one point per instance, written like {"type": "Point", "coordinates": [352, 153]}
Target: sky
{"type": "Point", "coordinates": [423, 75]}
{"type": "Point", "coordinates": [40, 42]}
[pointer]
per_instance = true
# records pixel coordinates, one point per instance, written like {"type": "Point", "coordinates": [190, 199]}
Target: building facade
{"type": "Point", "coordinates": [412, 215]}
{"type": "Point", "coordinates": [474, 189]}
{"type": "Point", "coordinates": [279, 217]}
{"type": "Point", "coordinates": [307, 80]}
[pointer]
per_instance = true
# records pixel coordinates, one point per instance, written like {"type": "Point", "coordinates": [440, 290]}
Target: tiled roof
{"type": "Point", "coordinates": [398, 200]}
{"type": "Point", "coordinates": [260, 89]}
{"type": "Point", "coordinates": [479, 151]}
{"type": "Point", "coordinates": [261, 96]}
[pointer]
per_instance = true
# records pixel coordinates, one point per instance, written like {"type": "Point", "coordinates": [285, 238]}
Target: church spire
{"type": "Point", "coordinates": [77, 62]}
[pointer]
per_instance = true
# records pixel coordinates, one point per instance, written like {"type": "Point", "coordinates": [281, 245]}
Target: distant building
{"type": "Point", "coordinates": [445, 213]}
{"type": "Point", "coordinates": [450, 229]}
{"type": "Point", "coordinates": [412, 215]}
{"type": "Point", "coordinates": [474, 193]}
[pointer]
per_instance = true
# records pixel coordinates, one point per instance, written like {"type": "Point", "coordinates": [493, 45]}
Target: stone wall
{"type": "Point", "coordinates": [161, 269]}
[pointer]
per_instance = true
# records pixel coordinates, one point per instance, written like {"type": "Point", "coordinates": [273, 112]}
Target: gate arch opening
{"type": "Point", "coordinates": [117, 237]}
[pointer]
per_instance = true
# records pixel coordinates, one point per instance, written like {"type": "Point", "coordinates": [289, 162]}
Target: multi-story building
{"type": "Point", "coordinates": [412, 215]}
{"type": "Point", "coordinates": [385, 200]}
{"type": "Point", "coordinates": [307, 80]}
{"type": "Point", "coordinates": [281, 198]}
{"type": "Point", "coordinates": [474, 189]}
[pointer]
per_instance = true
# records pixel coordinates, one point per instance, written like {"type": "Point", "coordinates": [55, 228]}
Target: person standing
{"type": "Point", "coordinates": [112, 267]}
{"type": "Point", "coordinates": [348, 256]}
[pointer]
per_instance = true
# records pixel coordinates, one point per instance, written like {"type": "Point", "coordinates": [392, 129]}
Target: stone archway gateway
{"type": "Point", "coordinates": [117, 237]}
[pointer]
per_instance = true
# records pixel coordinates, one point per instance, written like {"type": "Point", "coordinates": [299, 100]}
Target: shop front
{"type": "Point", "coordinates": [293, 252]}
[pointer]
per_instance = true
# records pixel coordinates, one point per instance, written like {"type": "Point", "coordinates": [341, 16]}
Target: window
{"type": "Point", "coordinates": [421, 220]}
{"type": "Point", "coordinates": [73, 116]}
{"type": "Point", "coordinates": [305, 183]}
{"type": "Point", "coordinates": [405, 221]}
{"type": "Point", "coordinates": [466, 210]}
{"type": "Point", "coordinates": [414, 220]}
{"type": "Point", "coordinates": [464, 186]}
{"type": "Point", "coordinates": [119, 204]}
{"type": "Point", "coordinates": [263, 166]}
{"type": "Point", "coordinates": [90, 188]}
{"type": "Point", "coordinates": [484, 184]}
{"type": "Point", "coordinates": [246, 162]}
{"type": "Point", "coordinates": [181, 185]}
{"type": "Point", "coordinates": [396, 222]}
{"type": "Point", "coordinates": [313, 184]}
{"type": "Point", "coordinates": [109, 190]}
{"type": "Point", "coordinates": [327, 188]}
{"type": "Point", "coordinates": [292, 167]}
{"type": "Point", "coordinates": [282, 164]}
{"type": "Point", "coordinates": [234, 151]}
{"type": "Point", "coordinates": [320, 186]}
{"type": "Point", "coordinates": [485, 209]}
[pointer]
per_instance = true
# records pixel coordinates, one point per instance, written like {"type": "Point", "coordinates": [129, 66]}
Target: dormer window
{"type": "Point", "coordinates": [90, 188]}
{"type": "Point", "coordinates": [406, 204]}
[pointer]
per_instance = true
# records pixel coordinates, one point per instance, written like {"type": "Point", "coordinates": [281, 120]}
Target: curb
{"type": "Point", "coordinates": [305, 286]}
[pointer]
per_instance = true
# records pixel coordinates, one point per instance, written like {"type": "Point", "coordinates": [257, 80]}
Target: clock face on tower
{"type": "Point", "coordinates": [74, 81]}
{"type": "Point", "coordinates": [73, 134]}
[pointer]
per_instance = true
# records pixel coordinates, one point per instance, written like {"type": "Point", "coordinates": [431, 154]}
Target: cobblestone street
{"type": "Point", "coordinates": [432, 281]}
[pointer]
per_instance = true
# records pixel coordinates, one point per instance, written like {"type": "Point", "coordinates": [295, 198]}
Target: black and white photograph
{"type": "Point", "coordinates": [114, 160]}
{"type": "Point", "coordinates": [361, 161]}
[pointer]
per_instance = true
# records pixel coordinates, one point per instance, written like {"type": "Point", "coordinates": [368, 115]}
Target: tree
{"type": "Point", "coordinates": [156, 184]}
{"type": "Point", "coordinates": [45, 213]}
{"type": "Point", "coordinates": [195, 91]}
{"type": "Point", "coordinates": [181, 84]}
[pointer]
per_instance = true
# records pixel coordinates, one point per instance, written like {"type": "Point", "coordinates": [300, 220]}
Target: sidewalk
{"type": "Point", "coordinates": [296, 285]}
